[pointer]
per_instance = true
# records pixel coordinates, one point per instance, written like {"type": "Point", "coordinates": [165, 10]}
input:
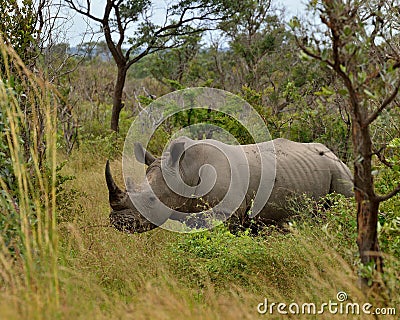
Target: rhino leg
{"type": "Point", "coordinates": [204, 220]}
{"type": "Point", "coordinates": [241, 221]}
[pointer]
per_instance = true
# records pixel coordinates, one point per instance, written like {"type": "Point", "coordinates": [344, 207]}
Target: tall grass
{"type": "Point", "coordinates": [28, 263]}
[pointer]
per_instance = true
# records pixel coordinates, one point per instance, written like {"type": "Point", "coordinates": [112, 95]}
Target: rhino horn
{"type": "Point", "coordinates": [115, 194]}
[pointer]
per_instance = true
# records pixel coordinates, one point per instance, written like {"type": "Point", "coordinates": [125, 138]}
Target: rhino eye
{"type": "Point", "coordinates": [152, 198]}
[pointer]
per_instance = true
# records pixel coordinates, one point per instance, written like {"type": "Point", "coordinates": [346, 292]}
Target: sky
{"type": "Point", "coordinates": [293, 7]}
{"type": "Point", "coordinates": [76, 28]}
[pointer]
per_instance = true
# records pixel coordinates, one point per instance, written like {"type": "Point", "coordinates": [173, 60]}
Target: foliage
{"type": "Point", "coordinates": [286, 87]}
{"type": "Point", "coordinates": [254, 34]}
{"type": "Point", "coordinates": [17, 28]}
{"type": "Point", "coordinates": [174, 64]}
{"type": "Point", "coordinates": [226, 258]}
{"type": "Point", "coordinates": [67, 199]}
{"type": "Point", "coordinates": [9, 219]}
{"type": "Point", "coordinates": [28, 236]}
{"type": "Point", "coordinates": [305, 123]}
{"type": "Point", "coordinates": [108, 144]}
{"type": "Point", "coordinates": [6, 171]}
{"type": "Point", "coordinates": [389, 221]}
{"type": "Point", "coordinates": [18, 41]}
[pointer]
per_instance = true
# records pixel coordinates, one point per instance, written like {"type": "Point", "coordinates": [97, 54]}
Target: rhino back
{"type": "Point", "coordinates": [300, 169]}
{"type": "Point", "coordinates": [303, 168]}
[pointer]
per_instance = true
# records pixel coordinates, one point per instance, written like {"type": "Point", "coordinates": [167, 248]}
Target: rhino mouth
{"type": "Point", "coordinates": [124, 221]}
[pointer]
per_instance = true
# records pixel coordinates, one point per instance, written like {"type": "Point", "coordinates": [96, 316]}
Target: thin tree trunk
{"type": "Point", "coordinates": [367, 240]}
{"type": "Point", "coordinates": [117, 98]}
{"type": "Point", "coordinates": [367, 203]}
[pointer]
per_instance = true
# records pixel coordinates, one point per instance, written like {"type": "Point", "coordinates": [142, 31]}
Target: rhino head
{"type": "Point", "coordinates": [139, 209]}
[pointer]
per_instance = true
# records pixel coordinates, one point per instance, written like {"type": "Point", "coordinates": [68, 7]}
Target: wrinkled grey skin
{"type": "Point", "coordinates": [301, 168]}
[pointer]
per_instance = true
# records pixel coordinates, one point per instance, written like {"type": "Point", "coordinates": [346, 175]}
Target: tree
{"type": "Point", "coordinates": [18, 21]}
{"type": "Point", "coordinates": [185, 17]}
{"type": "Point", "coordinates": [255, 34]}
{"type": "Point", "coordinates": [174, 64]}
{"type": "Point", "coordinates": [263, 57]}
{"type": "Point", "coordinates": [358, 41]}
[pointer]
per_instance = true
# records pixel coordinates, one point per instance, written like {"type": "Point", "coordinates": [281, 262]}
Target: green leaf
{"type": "Point", "coordinates": [327, 92]}
{"type": "Point", "coordinates": [347, 30]}
{"type": "Point", "coordinates": [304, 56]}
{"type": "Point", "coordinates": [369, 94]}
{"type": "Point", "coordinates": [395, 143]}
{"type": "Point", "coordinates": [294, 23]}
{"type": "Point", "coordinates": [324, 54]}
{"type": "Point", "coordinates": [362, 76]}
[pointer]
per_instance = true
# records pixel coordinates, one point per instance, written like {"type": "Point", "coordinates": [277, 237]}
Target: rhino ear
{"type": "Point", "coordinates": [177, 151]}
{"type": "Point", "coordinates": [142, 155]}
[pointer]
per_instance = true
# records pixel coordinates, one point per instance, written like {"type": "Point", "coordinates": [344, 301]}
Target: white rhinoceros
{"type": "Point", "coordinates": [241, 178]}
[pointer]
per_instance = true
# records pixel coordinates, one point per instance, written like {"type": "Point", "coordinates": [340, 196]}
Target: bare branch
{"type": "Point", "coordinates": [389, 195]}
{"type": "Point", "coordinates": [121, 29]}
{"type": "Point", "coordinates": [82, 11]}
{"type": "Point", "coordinates": [382, 158]}
{"type": "Point", "coordinates": [312, 54]}
{"type": "Point", "coordinates": [116, 52]}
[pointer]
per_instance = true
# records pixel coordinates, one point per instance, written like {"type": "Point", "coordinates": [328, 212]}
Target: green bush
{"type": "Point", "coordinates": [388, 177]}
{"type": "Point", "coordinates": [219, 257]}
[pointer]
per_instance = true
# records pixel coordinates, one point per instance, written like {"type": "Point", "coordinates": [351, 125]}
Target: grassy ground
{"type": "Point", "coordinates": [210, 275]}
